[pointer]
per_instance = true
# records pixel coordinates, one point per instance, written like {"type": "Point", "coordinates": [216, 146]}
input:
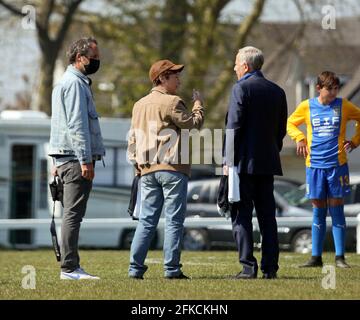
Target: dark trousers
{"type": "Point", "coordinates": [258, 191]}
{"type": "Point", "coordinates": [76, 194]}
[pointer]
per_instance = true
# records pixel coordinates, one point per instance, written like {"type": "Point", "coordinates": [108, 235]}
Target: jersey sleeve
{"type": "Point", "coordinates": [296, 119]}
{"type": "Point", "coordinates": [353, 113]}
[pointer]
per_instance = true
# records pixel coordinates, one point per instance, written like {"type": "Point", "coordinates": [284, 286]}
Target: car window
{"type": "Point", "coordinates": [205, 194]}
{"type": "Point", "coordinates": [282, 188]}
{"type": "Point", "coordinates": [357, 193]}
{"type": "Point", "coordinates": [214, 191]}
{"type": "Point", "coordinates": [297, 198]}
{"type": "Point", "coordinates": [194, 194]}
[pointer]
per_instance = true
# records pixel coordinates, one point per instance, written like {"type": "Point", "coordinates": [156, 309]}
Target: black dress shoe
{"type": "Point", "coordinates": [270, 275]}
{"type": "Point", "coordinates": [181, 276]}
{"type": "Point", "coordinates": [340, 262]}
{"type": "Point", "coordinates": [314, 262]}
{"type": "Point", "coordinates": [136, 277]}
{"type": "Point", "coordinates": [243, 275]}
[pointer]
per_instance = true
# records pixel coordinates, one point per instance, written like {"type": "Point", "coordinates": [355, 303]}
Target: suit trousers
{"type": "Point", "coordinates": [256, 191]}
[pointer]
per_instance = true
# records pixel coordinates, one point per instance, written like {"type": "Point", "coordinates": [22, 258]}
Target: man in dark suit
{"type": "Point", "coordinates": [257, 117]}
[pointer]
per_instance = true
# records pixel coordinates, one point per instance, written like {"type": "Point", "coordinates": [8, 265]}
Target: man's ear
{"type": "Point", "coordinates": [162, 78]}
{"type": "Point", "coordinates": [78, 56]}
{"type": "Point", "coordinates": [247, 69]}
{"type": "Point", "coordinates": [318, 88]}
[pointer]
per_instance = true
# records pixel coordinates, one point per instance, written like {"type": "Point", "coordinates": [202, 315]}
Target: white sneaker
{"type": "Point", "coordinates": [78, 274]}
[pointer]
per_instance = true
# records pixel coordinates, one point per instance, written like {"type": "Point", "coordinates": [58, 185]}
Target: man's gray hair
{"type": "Point", "coordinates": [253, 57]}
{"type": "Point", "coordinates": [81, 46]}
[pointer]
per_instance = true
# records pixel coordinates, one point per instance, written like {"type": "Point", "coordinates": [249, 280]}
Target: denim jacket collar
{"type": "Point", "coordinates": [78, 73]}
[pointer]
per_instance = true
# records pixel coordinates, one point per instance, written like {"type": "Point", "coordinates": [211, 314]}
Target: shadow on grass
{"type": "Point", "coordinates": [297, 278]}
{"type": "Point", "coordinates": [219, 277]}
{"type": "Point", "coordinates": [232, 277]}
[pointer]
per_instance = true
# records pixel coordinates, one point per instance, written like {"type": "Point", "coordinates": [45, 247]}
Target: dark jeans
{"type": "Point", "coordinates": [258, 191]}
{"type": "Point", "coordinates": [76, 195]}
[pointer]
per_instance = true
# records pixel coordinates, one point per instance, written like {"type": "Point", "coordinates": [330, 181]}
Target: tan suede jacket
{"type": "Point", "coordinates": [159, 120]}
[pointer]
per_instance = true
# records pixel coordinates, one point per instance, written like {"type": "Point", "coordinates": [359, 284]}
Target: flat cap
{"type": "Point", "coordinates": [161, 66]}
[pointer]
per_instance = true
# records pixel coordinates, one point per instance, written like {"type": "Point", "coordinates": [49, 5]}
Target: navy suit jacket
{"type": "Point", "coordinates": [257, 113]}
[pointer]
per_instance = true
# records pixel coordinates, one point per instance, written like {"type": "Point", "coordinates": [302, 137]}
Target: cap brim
{"type": "Point", "coordinates": [177, 67]}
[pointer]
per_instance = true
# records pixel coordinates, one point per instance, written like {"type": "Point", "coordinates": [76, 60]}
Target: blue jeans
{"type": "Point", "coordinates": [160, 189]}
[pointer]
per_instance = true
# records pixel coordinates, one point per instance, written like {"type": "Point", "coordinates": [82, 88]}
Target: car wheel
{"type": "Point", "coordinates": [196, 240]}
{"type": "Point", "coordinates": [127, 239]}
{"type": "Point", "coordinates": [301, 242]}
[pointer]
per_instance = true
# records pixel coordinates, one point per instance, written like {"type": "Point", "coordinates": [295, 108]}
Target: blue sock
{"type": "Point", "coordinates": [338, 228]}
{"type": "Point", "coordinates": [318, 230]}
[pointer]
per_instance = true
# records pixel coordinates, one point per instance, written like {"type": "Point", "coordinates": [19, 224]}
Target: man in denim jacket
{"type": "Point", "coordinates": [75, 144]}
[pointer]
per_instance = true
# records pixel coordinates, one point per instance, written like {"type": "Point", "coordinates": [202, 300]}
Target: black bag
{"type": "Point", "coordinates": [224, 207]}
{"type": "Point", "coordinates": [133, 197]}
{"type": "Point", "coordinates": [57, 194]}
{"type": "Point", "coordinates": [57, 190]}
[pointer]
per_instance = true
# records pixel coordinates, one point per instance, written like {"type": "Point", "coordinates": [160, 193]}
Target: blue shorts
{"type": "Point", "coordinates": [327, 183]}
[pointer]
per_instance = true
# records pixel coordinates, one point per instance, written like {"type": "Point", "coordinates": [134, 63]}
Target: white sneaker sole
{"type": "Point", "coordinates": [66, 277]}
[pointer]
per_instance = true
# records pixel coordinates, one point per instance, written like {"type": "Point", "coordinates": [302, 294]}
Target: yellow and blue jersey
{"type": "Point", "coordinates": [325, 130]}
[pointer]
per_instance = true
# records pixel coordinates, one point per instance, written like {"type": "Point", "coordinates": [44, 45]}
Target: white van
{"type": "Point", "coordinates": [25, 174]}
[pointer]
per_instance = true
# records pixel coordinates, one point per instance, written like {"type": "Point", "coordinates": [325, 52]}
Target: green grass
{"type": "Point", "coordinates": [210, 273]}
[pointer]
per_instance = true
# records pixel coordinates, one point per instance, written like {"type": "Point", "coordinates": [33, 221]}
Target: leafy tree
{"type": "Point", "coordinates": [189, 32]}
{"type": "Point", "coordinates": [135, 34]}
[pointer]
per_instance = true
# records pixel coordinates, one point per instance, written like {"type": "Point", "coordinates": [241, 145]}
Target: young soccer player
{"type": "Point", "coordinates": [327, 172]}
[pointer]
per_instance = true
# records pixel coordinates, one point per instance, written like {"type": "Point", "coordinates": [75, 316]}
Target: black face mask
{"type": "Point", "coordinates": [92, 67]}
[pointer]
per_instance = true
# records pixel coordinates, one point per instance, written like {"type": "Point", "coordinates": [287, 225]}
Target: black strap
{"type": "Point", "coordinates": [52, 224]}
{"type": "Point", "coordinates": [53, 214]}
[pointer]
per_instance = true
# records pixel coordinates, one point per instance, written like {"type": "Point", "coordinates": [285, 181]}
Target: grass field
{"type": "Point", "coordinates": [210, 272]}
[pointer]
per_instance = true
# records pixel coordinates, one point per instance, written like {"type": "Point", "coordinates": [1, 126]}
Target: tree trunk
{"type": "Point", "coordinates": [46, 77]}
{"type": "Point", "coordinates": [202, 33]}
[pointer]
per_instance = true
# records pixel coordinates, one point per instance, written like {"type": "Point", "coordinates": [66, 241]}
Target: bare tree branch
{"type": "Point", "coordinates": [45, 13]}
{"type": "Point", "coordinates": [71, 9]}
{"type": "Point", "coordinates": [288, 44]}
{"type": "Point", "coordinates": [11, 8]}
